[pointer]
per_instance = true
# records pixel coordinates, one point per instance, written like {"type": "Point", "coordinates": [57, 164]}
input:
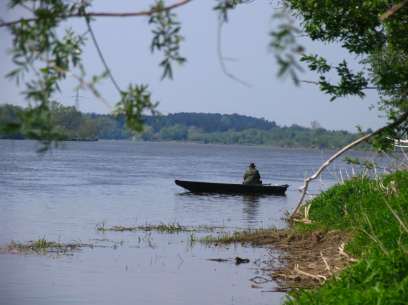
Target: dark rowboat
{"type": "Point", "coordinates": [231, 188]}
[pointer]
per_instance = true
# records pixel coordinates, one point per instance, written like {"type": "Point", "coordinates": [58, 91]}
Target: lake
{"type": "Point", "coordinates": [66, 193]}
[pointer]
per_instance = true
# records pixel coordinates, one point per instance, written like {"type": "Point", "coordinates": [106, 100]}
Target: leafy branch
{"type": "Point", "coordinates": [286, 47]}
{"type": "Point", "coordinates": [40, 52]}
{"type": "Point", "coordinates": [349, 83]}
{"type": "Point", "coordinates": [132, 104]}
{"type": "Point", "coordinates": [166, 37]}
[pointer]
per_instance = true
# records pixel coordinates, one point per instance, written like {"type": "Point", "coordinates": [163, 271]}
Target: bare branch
{"type": "Point", "coordinates": [325, 263]}
{"type": "Point", "coordinates": [98, 49]}
{"type": "Point", "coordinates": [84, 84]}
{"type": "Point", "coordinates": [395, 8]}
{"type": "Point", "coordinates": [221, 58]}
{"type": "Point", "coordinates": [304, 189]}
{"type": "Point", "coordinates": [343, 253]}
{"type": "Point", "coordinates": [145, 13]}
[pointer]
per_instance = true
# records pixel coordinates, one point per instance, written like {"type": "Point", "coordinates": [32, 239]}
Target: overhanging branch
{"type": "Point", "coordinates": [99, 50]}
{"type": "Point", "coordinates": [145, 13]}
{"type": "Point", "coordinates": [317, 83]}
{"type": "Point", "coordinates": [221, 57]}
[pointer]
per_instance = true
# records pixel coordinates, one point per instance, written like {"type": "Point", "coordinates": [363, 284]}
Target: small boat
{"type": "Point", "coordinates": [232, 188]}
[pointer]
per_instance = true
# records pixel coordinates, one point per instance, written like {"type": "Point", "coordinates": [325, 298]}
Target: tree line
{"type": "Point", "coordinates": [72, 124]}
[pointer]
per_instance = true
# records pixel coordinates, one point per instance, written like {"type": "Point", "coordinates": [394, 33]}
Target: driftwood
{"type": "Point", "coordinates": [304, 188]}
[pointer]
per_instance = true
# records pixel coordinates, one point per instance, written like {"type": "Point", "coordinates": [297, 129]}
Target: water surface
{"type": "Point", "coordinates": [64, 194]}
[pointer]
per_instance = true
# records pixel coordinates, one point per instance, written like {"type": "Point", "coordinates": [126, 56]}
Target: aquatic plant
{"type": "Point", "coordinates": [161, 228]}
{"type": "Point", "coordinates": [252, 236]}
{"type": "Point", "coordinates": [43, 246]}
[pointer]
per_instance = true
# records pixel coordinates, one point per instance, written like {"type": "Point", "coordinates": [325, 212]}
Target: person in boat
{"type": "Point", "coordinates": [251, 175]}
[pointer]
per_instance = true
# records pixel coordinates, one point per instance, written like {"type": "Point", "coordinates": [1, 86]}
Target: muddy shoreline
{"type": "Point", "coordinates": [306, 259]}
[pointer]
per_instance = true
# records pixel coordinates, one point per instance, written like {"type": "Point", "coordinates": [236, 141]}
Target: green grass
{"type": "Point", "coordinates": [365, 207]}
{"type": "Point", "coordinates": [376, 213]}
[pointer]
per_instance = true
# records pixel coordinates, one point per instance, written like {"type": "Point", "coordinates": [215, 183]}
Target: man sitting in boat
{"type": "Point", "coordinates": [251, 175]}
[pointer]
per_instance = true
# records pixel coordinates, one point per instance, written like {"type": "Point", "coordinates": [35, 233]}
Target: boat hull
{"type": "Point", "coordinates": [231, 188]}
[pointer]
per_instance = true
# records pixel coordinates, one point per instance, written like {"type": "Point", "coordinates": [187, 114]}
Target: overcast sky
{"type": "Point", "coordinates": [200, 85]}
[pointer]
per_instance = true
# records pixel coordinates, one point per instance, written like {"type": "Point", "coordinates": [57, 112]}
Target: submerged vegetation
{"type": "Point", "coordinates": [161, 228]}
{"type": "Point", "coordinates": [254, 237]}
{"type": "Point", "coordinates": [43, 246]}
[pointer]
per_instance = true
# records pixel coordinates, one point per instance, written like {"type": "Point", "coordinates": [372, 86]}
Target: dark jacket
{"type": "Point", "coordinates": [252, 176]}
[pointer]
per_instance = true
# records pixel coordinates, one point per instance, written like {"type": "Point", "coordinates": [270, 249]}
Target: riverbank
{"type": "Point", "coordinates": [352, 250]}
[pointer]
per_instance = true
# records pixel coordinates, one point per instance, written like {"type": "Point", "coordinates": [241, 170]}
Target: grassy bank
{"type": "Point", "coordinates": [354, 249]}
{"type": "Point", "coordinates": [375, 214]}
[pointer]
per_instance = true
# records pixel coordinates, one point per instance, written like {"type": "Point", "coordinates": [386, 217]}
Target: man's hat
{"type": "Point", "coordinates": [252, 165]}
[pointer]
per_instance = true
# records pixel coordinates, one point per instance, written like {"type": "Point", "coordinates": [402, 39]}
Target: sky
{"type": "Point", "coordinates": [200, 85]}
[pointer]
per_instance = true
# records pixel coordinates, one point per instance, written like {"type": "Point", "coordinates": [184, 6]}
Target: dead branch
{"type": "Point", "coordinates": [305, 218]}
{"type": "Point", "coordinates": [395, 8]}
{"type": "Point", "coordinates": [221, 58]}
{"type": "Point", "coordinates": [145, 13]}
{"type": "Point", "coordinates": [325, 263]}
{"type": "Point", "coordinates": [343, 253]}
{"type": "Point", "coordinates": [304, 188]}
{"type": "Point", "coordinates": [316, 277]}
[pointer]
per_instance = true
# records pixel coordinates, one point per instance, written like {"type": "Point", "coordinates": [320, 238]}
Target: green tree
{"type": "Point", "coordinates": [375, 32]}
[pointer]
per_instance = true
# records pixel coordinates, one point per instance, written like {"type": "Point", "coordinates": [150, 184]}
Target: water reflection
{"type": "Point", "coordinates": [251, 208]}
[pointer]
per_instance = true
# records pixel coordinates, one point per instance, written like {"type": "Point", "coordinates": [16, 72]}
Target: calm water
{"type": "Point", "coordinates": [64, 194]}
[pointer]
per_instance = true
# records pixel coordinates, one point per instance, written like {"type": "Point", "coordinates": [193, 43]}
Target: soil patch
{"type": "Point", "coordinates": [307, 259]}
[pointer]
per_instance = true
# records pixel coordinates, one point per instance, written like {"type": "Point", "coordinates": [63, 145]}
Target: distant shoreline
{"type": "Point", "coordinates": [195, 143]}
{"type": "Point", "coordinates": [214, 128]}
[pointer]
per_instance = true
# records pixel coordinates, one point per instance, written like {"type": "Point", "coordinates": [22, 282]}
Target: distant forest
{"type": "Point", "coordinates": [193, 127]}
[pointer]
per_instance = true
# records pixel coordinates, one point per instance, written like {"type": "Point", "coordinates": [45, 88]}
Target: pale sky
{"type": "Point", "coordinates": [200, 84]}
